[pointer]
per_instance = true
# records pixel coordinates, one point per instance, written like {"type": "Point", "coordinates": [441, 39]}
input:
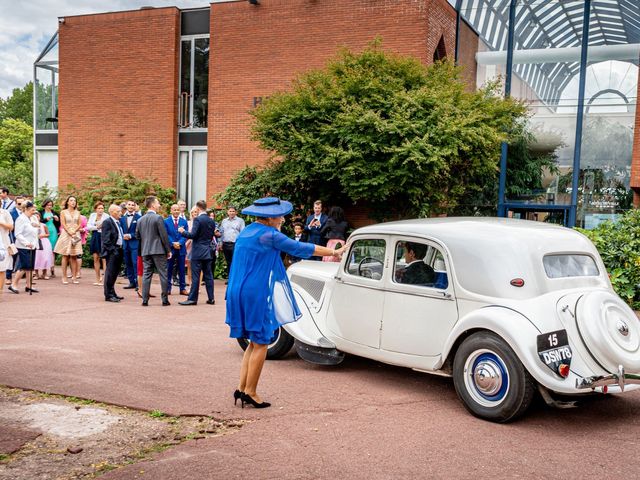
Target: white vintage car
{"type": "Point", "coordinates": [505, 307]}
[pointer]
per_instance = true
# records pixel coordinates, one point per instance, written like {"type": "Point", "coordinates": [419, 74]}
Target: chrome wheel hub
{"type": "Point", "coordinates": [486, 378]}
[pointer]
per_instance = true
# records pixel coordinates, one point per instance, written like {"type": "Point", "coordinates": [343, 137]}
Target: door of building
{"type": "Point", "coordinates": [192, 175]}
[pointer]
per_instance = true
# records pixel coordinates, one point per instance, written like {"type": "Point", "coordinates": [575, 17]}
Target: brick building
{"type": "Point", "coordinates": [165, 93]}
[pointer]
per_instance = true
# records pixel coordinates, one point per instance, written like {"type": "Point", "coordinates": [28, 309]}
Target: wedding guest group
{"type": "Point", "coordinates": [183, 245]}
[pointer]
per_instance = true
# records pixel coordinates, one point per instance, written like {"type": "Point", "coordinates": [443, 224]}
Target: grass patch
{"type": "Point", "coordinates": [4, 457]}
{"type": "Point", "coordinates": [157, 414]}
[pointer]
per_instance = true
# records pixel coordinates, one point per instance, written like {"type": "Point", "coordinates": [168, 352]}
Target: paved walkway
{"type": "Point", "coordinates": [360, 420]}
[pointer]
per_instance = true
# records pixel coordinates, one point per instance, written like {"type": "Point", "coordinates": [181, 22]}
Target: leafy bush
{"type": "Point", "coordinates": [379, 128]}
{"type": "Point", "coordinates": [117, 187]}
{"type": "Point", "coordinates": [619, 247]}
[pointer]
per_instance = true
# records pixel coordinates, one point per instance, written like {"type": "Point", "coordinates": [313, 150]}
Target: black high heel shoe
{"type": "Point", "coordinates": [244, 398]}
{"type": "Point", "coordinates": [237, 395]}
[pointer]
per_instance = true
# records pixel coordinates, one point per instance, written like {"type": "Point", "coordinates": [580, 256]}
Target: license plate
{"type": "Point", "coordinates": [554, 349]}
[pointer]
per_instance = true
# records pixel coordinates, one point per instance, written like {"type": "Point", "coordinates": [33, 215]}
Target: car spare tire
{"type": "Point", "coordinates": [610, 330]}
{"type": "Point", "coordinates": [281, 343]}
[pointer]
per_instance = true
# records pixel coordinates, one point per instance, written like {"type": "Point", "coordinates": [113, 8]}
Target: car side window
{"type": "Point", "coordinates": [420, 264]}
{"type": "Point", "coordinates": [366, 258]}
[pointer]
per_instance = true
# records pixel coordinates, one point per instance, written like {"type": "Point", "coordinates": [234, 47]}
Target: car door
{"type": "Point", "coordinates": [419, 309]}
{"type": "Point", "coordinates": [357, 300]}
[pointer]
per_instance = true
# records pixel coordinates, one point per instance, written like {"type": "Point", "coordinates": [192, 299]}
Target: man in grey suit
{"type": "Point", "coordinates": [155, 249]}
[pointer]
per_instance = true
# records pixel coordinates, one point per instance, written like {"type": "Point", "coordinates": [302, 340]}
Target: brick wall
{"type": "Point", "coordinates": [635, 159]}
{"type": "Point", "coordinates": [467, 49]}
{"type": "Point", "coordinates": [118, 89]}
{"type": "Point", "coordinates": [257, 50]}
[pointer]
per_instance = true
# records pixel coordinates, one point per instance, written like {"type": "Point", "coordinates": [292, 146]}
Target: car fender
{"type": "Point", "coordinates": [520, 334]}
{"type": "Point", "coordinates": [305, 329]}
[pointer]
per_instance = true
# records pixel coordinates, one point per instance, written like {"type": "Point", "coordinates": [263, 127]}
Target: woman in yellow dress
{"type": "Point", "coordinates": [69, 244]}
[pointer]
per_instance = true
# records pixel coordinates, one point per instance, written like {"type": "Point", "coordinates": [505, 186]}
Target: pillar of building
{"type": "Point", "coordinates": [635, 159]}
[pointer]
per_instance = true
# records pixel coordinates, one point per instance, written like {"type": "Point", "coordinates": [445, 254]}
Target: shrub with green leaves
{"type": "Point", "coordinates": [117, 187]}
{"type": "Point", "coordinates": [379, 128]}
{"type": "Point", "coordinates": [619, 246]}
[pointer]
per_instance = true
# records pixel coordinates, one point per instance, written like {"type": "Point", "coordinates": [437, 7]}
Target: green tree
{"type": "Point", "coordinates": [19, 105]}
{"type": "Point", "coordinates": [16, 153]}
{"type": "Point", "coordinates": [619, 246]}
{"type": "Point", "coordinates": [380, 128]}
{"type": "Point", "coordinates": [117, 187]}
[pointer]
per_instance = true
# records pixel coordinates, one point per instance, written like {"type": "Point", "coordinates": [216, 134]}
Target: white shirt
{"type": "Point", "coordinates": [8, 204]}
{"type": "Point", "coordinates": [129, 218]}
{"type": "Point", "coordinates": [25, 232]}
{"type": "Point", "coordinates": [120, 233]}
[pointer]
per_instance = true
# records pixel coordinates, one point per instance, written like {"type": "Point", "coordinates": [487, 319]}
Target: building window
{"type": "Point", "coordinates": [441, 51]}
{"type": "Point", "coordinates": [194, 82]}
{"type": "Point", "coordinates": [46, 171]}
{"type": "Point", "coordinates": [192, 175]}
{"type": "Point", "coordinates": [46, 87]}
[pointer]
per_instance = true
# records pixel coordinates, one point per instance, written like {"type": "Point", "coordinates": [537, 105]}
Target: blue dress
{"type": "Point", "coordinates": [259, 295]}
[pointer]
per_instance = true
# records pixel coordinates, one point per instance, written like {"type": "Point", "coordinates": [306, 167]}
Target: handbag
{"type": "Point", "coordinates": [12, 249]}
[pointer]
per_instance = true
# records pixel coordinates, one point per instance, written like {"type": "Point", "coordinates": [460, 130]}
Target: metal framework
{"type": "Point", "coordinates": [515, 25]}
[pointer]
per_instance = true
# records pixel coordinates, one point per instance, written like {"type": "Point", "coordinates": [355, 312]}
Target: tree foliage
{"type": "Point", "coordinates": [619, 246]}
{"type": "Point", "coordinates": [117, 187]}
{"type": "Point", "coordinates": [379, 128]}
{"type": "Point", "coordinates": [16, 153]}
{"type": "Point", "coordinates": [19, 105]}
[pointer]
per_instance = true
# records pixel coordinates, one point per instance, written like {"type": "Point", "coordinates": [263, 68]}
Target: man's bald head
{"type": "Point", "coordinates": [115, 211]}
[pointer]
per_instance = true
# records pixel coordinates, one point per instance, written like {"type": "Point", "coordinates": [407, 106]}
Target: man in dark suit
{"type": "Point", "coordinates": [417, 272]}
{"type": "Point", "coordinates": [314, 225]}
{"type": "Point", "coordinates": [111, 251]}
{"type": "Point", "coordinates": [202, 254]}
{"type": "Point", "coordinates": [178, 251]}
{"type": "Point", "coordinates": [155, 249]}
{"type": "Point", "coordinates": [129, 222]}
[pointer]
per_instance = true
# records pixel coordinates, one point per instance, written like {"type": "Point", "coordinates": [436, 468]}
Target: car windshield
{"type": "Point", "coordinates": [569, 265]}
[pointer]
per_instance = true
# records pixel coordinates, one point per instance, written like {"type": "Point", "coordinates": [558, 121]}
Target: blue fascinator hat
{"type": "Point", "coordinates": [268, 207]}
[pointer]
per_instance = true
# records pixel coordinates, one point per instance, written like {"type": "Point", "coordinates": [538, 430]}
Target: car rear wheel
{"type": "Point", "coordinates": [280, 344]}
{"type": "Point", "coordinates": [490, 379]}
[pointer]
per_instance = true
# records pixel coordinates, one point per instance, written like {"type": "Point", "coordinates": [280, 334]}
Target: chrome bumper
{"type": "Point", "coordinates": [620, 379]}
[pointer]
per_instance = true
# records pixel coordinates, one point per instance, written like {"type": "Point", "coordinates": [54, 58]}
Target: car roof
{"type": "Point", "coordinates": [486, 232]}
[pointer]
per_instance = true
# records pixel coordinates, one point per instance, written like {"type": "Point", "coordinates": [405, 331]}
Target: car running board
{"type": "Point", "coordinates": [319, 355]}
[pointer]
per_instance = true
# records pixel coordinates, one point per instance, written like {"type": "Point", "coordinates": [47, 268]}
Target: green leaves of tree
{"type": "Point", "coordinates": [619, 247]}
{"type": "Point", "coordinates": [16, 153]}
{"type": "Point", "coordinates": [382, 129]}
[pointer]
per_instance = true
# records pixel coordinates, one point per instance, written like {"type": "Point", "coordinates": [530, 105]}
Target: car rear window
{"type": "Point", "coordinates": [570, 265]}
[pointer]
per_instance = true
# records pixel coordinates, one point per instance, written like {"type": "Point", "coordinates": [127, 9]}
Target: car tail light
{"type": "Point", "coordinates": [605, 389]}
{"type": "Point", "coordinates": [563, 370]}
{"type": "Point", "coordinates": [517, 282]}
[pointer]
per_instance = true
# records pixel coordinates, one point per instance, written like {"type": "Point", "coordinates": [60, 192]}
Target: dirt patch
{"type": "Point", "coordinates": [71, 438]}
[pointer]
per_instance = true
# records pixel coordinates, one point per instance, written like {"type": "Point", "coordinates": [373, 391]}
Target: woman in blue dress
{"type": "Point", "coordinates": [259, 295]}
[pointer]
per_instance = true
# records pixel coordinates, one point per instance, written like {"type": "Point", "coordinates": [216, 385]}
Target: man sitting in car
{"type": "Point", "coordinates": [416, 272]}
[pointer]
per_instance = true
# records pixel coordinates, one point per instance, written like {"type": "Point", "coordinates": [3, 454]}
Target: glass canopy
{"type": "Point", "coordinates": [46, 76]}
{"type": "Point", "coordinates": [582, 107]}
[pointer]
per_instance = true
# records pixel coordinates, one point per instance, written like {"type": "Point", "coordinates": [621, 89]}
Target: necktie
{"type": "Point", "coordinates": [175, 223]}
{"type": "Point", "coordinates": [129, 219]}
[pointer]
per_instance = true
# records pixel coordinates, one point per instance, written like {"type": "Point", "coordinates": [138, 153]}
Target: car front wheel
{"type": "Point", "coordinates": [490, 379]}
{"type": "Point", "coordinates": [280, 344]}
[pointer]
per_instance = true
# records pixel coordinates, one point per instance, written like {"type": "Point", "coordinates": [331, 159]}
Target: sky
{"type": "Point", "coordinates": [27, 25]}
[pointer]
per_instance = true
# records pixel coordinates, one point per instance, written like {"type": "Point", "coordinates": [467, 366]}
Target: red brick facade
{"type": "Point", "coordinates": [256, 50]}
{"type": "Point", "coordinates": [119, 75]}
{"type": "Point", "coordinates": [117, 94]}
